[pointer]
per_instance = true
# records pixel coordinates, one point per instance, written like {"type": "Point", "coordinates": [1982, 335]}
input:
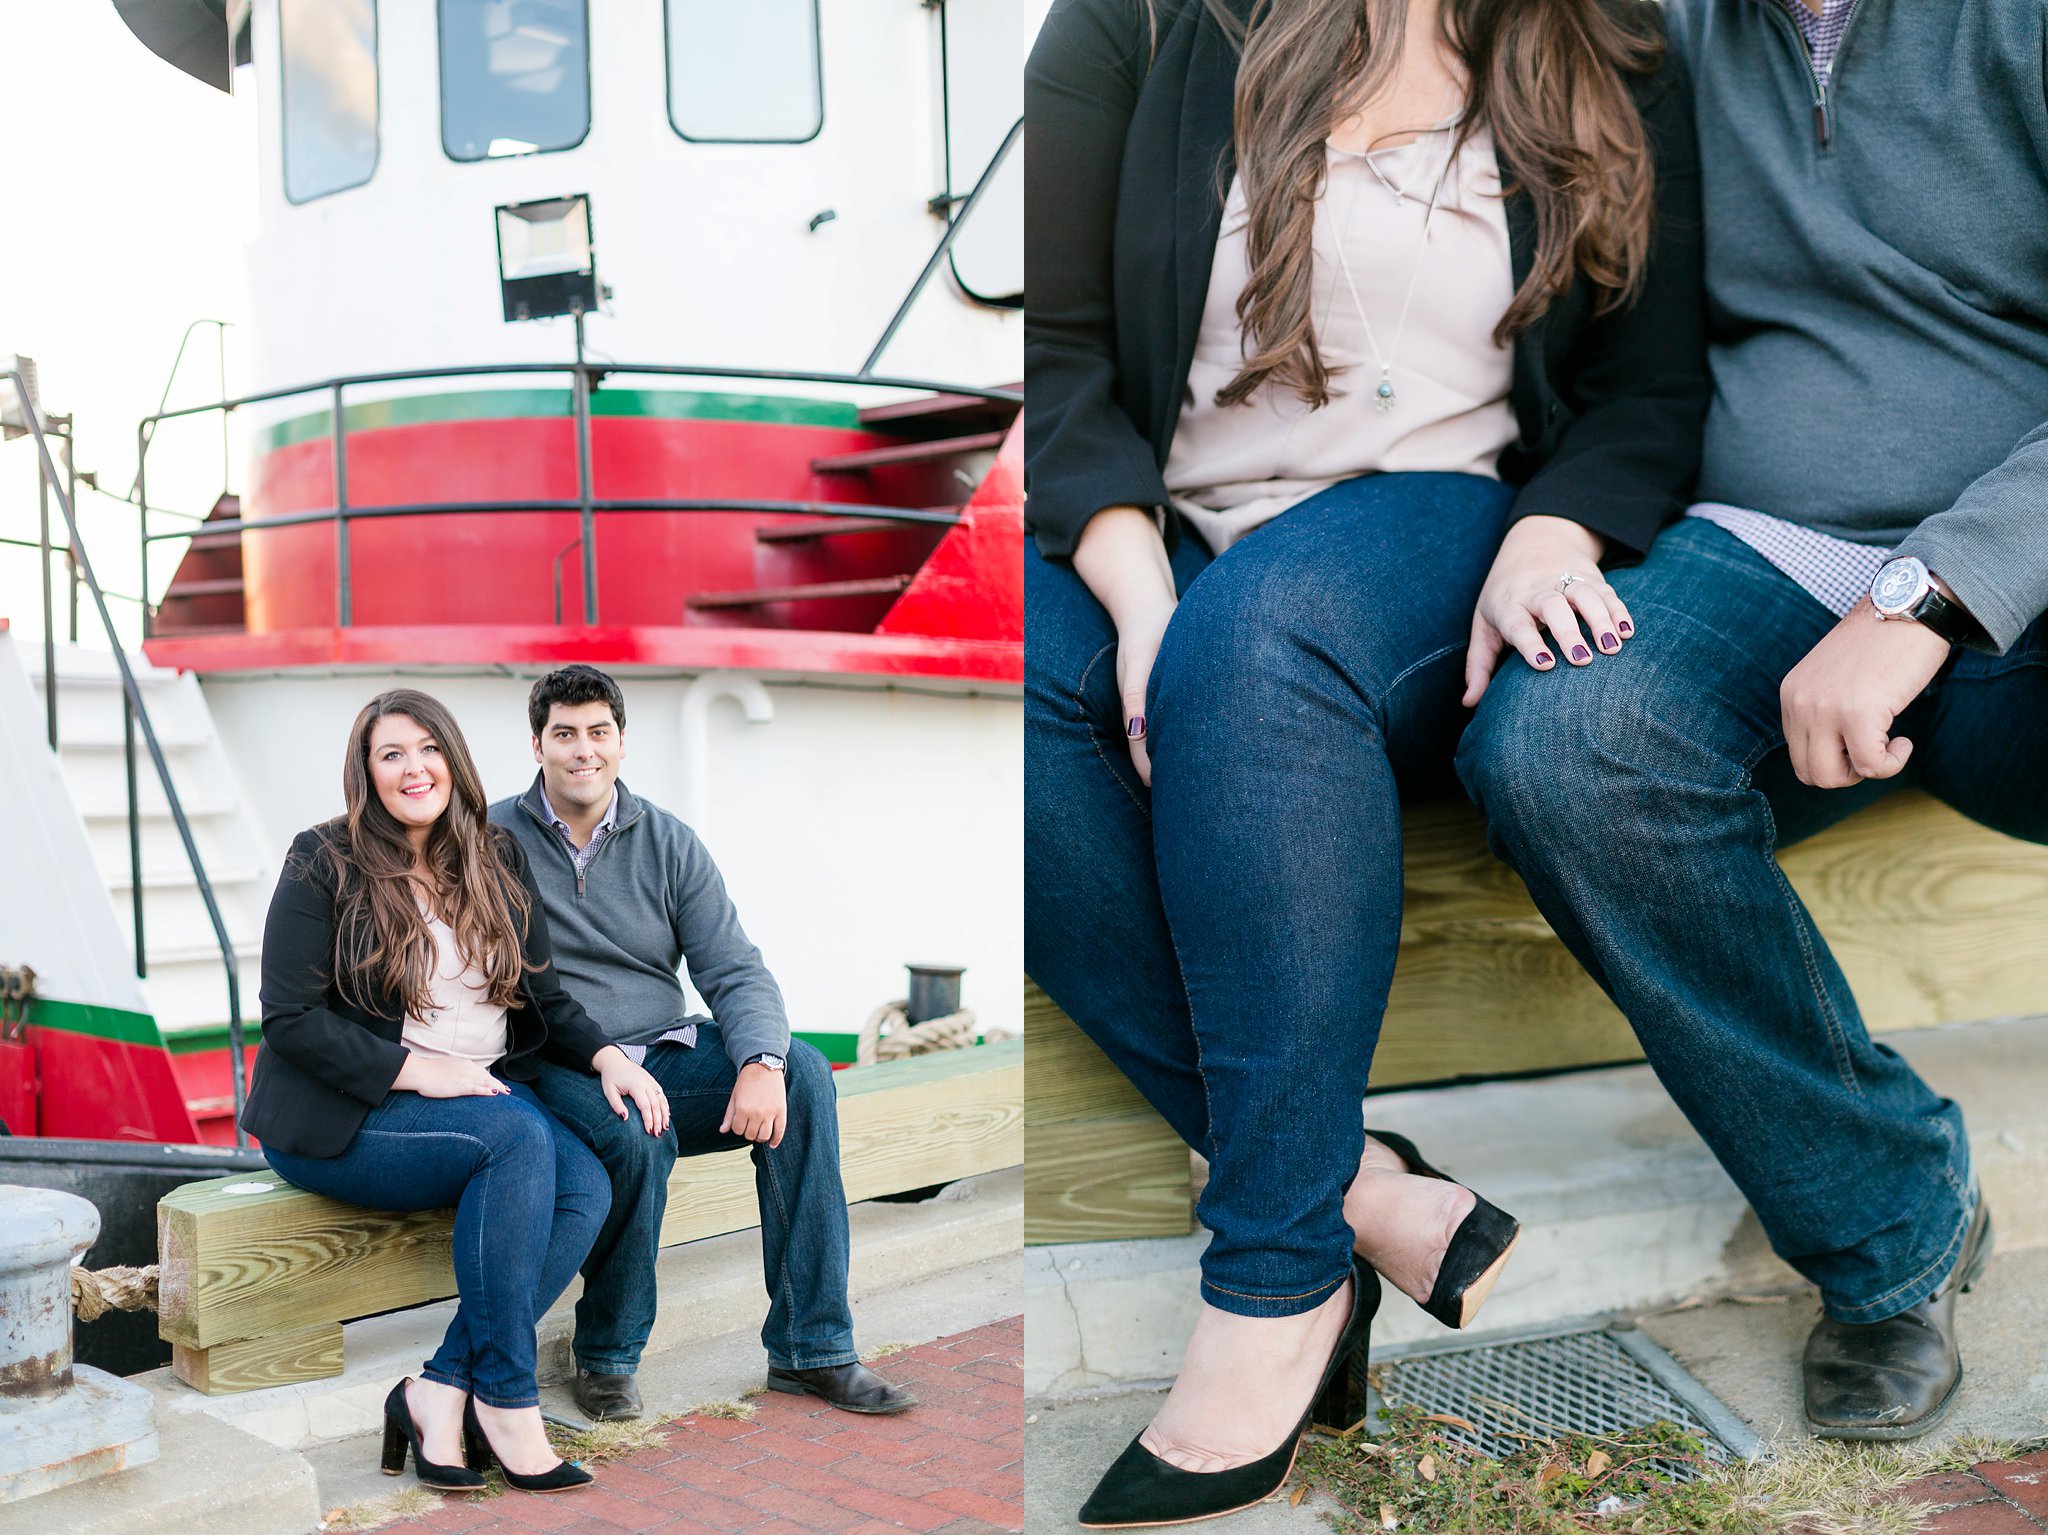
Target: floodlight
{"type": "Point", "coordinates": [546, 263]}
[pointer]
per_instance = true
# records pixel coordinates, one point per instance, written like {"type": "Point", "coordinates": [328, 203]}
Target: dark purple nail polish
{"type": "Point", "coordinates": [1136, 727]}
{"type": "Point", "coordinates": [1581, 653]}
{"type": "Point", "coordinates": [1626, 628]}
{"type": "Point", "coordinates": [1609, 642]}
{"type": "Point", "coordinates": [1544, 658]}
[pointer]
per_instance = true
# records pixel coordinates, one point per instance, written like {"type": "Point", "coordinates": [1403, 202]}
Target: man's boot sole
{"type": "Point", "coordinates": [799, 1388]}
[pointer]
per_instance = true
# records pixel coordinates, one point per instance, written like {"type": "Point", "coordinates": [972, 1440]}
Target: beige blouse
{"type": "Point", "coordinates": [460, 1020]}
{"type": "Point", "coordinates": [1232, 468]}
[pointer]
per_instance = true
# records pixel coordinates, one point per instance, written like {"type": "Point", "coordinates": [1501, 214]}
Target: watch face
{"type": "Point", "coordinates": [1898, 586]}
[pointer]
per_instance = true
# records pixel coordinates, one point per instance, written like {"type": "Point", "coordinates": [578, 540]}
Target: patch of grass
{"type": "Point", "coordinates": [406, 1503]}
{"type": "Point", "coordinates": [1416, 1478]}
{"type": "Point", "coordinates": [610, 1440]}
{"type": "Point", "coordinates": [884, 1350]}
{"type": "Point", "coordinates": [739, 1410]}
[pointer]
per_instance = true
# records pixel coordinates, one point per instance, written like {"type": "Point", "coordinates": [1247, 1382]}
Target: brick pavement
{"type": "Point", "coordinates": [1996, 1498]}
{"type": "Point", "coordinates": [951, 1466]}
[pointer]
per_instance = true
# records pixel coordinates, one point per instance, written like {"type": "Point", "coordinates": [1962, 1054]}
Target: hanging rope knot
{"type": "Point", "coordinates": [94, 1292]}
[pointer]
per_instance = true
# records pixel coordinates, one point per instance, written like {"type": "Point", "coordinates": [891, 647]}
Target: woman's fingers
{"type": "Point", "coordinates": [1562, 620]}
{"type": "Point", "coordinates": [1520, 631]}
{"type": "Point", "coordinates": [1135, 732]}
{"type": "Point", "coordinates": [1482, 655]}
{"type": "Point", "coordinates": [1591, 598]}
{"type": "Point", "coordinates": [613, 1096]}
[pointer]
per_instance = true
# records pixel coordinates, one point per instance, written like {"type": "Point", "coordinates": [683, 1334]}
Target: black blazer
{"type": "Point", "coordinates": [1126, 156]}
{"type": "Point", "coordinates": [324, 1062]}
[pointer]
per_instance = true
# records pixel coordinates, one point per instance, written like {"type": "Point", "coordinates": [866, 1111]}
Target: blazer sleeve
{"type": "Point", "coordinates": [573, 1036]}
{"type": "Point", "coordinates": [1082, 452]}
{"type": "Point", "coordinates": [1637, 377]}
{"type": "Point", "coordinates": [298, 952]}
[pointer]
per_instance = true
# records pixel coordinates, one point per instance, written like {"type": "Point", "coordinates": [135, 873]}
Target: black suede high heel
{"type": "Point", "coordinates": [401, 1434]}
{"type": "Point", "coordinates": [566, 1474]}
{"type": "Point", "coordinates": [1479, 1247]}
{"type": "Point", "coordinates": [1140, 1488]}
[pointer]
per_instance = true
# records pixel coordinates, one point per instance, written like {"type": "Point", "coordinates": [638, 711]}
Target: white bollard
{"type": "Point", "coordinates": [59, 1422]}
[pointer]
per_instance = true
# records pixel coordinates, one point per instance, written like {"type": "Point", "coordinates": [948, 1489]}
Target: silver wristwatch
{"type": "Point", "coordinates": [1905, 588]}
{"type": "Point", "coordinates": [766, 1058]}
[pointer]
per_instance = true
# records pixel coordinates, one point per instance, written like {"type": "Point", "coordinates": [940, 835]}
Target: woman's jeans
{"type": "Point", "coordinates": [528, 1197]}
{"type": "Point", "coordinates": [1229, 937]}
{"type": "Point", "coordinates": [1643, 799]}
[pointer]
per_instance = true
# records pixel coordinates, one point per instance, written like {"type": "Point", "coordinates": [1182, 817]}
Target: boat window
{"type": "Point", "coordinates": [984, 95]}
{"type": "Point", "coordinates": [515, 77]}
{"type": "Point", "coordinates": [330, 95]}
{"type": "Point", "coordinates": [745, 74]}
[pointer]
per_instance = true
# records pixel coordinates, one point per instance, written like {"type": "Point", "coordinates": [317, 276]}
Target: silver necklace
{"type": "Point", "coordinates": [1384, 398]}
{"type": "Point", "coordinates": [1400, 194]}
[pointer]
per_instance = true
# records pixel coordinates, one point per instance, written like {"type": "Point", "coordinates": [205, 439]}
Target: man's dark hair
{"type": "Point", "coordinates": [572, 685]}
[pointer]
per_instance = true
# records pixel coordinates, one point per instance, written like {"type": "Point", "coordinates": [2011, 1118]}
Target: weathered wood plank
{"type": "Point", "coordinates": [312, 1353]}
{"type": "Point", "coordinates": [251, 1257]}
{"type": "Point", "coordinates": [1065, 1075]}
{"type": "Point", "coordinates": [1091, 1180]}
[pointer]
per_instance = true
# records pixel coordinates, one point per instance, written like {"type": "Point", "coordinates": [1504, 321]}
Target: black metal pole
{"type": "Point", "coordinates": [945, 244]}
{"type": "Point", "coordinates": [49, 603]}
{"type": "Point", "coordinates": [142, 435]}
{"type": "Point", "coordinates": [580, 397]}
{"type": "Point", "coordinates": [343, 599]}
{"type": "Point", "coordinates": [70, 564]}
{"type": "Point", "coordinates": [220, 336]}
{"type": "Point", "coordinates": [134, 834]}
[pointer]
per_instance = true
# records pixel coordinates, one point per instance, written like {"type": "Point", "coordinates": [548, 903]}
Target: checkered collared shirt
{"type": "Point", "coordinates": [582, 855]}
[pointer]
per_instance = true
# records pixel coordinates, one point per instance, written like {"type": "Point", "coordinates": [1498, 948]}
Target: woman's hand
{"type": "Point", "coordinates": [1521, 599]}
{"type": "Point", "coordinates": [621, 1080]}
{"type": "Point", "coordinates": [1122, 560]}
{"type": "Point", "coordinates": [446, 1076]}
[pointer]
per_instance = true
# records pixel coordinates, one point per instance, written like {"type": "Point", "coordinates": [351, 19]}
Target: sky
{"type": "Point", "coordinates": [129, 199]}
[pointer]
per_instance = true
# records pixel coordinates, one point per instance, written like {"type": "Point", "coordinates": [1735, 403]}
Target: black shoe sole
{"type": "Point", "coordinates": [1221, 1513]}
{"type": "Point", "coordinates": [798, 1388]}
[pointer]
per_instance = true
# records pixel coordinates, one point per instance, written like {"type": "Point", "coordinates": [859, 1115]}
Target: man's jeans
{"type": "Point", "coordinates": [528, 1199]}
{"type": "Point", "coordinates": [1643, 799]}
{"type": "Point", "coordinates": [1228, 938]}
{"type": "Point", "coordinates": [804, 1244]}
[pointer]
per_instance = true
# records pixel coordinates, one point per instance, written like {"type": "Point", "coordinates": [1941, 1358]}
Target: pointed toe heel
{"type": "Point", "coordinates": [1478, 1250]}
{"type": "Point", "coordinates": [1141, 1489]}
{"type": "Point", "coordinates": [563, 1476]}
{"type": "Point", "coordinates": [400, 1435]}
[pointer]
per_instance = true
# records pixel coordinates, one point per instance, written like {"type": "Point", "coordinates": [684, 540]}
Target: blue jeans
{"type": "Point", "coordinates": [804, 1243]}
{"type": "Point", "coordinates": [1643, 798]}
{"type": "Point", "coordinates": [1228, 937]}
{"type": "Point", "coordinates": [528, 1200]}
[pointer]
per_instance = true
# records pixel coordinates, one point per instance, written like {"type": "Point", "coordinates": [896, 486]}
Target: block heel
{"type": "Point", "coordinates": [401, 1435]}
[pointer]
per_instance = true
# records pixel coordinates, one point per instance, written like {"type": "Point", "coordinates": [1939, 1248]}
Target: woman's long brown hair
{"type": "Point", "coordinates": [381, 944]}
{"type": "Point", "coordinates": [1547, 77]}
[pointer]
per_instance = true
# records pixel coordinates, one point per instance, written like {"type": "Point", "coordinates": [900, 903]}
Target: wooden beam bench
{"type": "Point", "coordinates": [1933, 918]}
{"type": "Point", "coordinates": [258, 1277]}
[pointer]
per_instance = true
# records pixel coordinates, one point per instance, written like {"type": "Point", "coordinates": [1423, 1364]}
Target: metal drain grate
{"type": "Point", "coordinates": [1592, 1381]}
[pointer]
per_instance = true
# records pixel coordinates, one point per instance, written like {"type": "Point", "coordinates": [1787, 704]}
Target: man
{"type": "Point", "coordinates": [630, 894]}
{"type": "Point", "coordinates": [1853, 605]}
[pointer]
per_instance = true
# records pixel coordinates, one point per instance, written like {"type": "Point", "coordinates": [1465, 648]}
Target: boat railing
{"type": "Point", "coordinates": [585, 376]}
{"type": "Point", "coordinates": [134, 718]}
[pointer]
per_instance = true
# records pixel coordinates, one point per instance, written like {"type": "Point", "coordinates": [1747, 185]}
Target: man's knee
{"type": "Point", "coordinates": [625, 1148]}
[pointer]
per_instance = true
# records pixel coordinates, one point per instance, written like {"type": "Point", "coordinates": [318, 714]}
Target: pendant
{"type": "Point", "coordinates": [1383, 398]}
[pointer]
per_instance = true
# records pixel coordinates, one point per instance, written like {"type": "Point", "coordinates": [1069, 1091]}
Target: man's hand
{"type": "Point", "coordinates": [1841, 700]}
{"type": "Point", "coordinates": [759, 1108]}
{"type": "Point", "coordinates": [621, 1080]}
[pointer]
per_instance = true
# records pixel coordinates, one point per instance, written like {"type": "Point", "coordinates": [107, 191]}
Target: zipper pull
{"type": "Point", "coordinates": [1822, 129]}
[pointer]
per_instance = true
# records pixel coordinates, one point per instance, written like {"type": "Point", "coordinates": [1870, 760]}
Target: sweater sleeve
{"type": "Point", "coordinates": [1638, 376]}
{"type": "Point", "coordinates": [298, 952]}
{"type": "Point", "coordinates": [1991, 547]}
{"type": "Point", "coordinates": [723, 963]}
{"type": "Point", "coordinates": [1082, 452]}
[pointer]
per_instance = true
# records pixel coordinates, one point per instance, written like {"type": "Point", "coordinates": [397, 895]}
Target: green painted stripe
{"type": "Point", "coordinates": [91, 1018]}
{"type": "Point", "coordinates": [192, 1041]}
{"type": "Point", "coordinates": [838, 1047]}
{"type": "Point", "coordinates": [504, 404]}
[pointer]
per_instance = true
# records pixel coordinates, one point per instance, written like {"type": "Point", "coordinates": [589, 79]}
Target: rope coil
{"type": "Point", "coordinates": [889, 1035]}
{"type": "Point", "coordinates": [94, 1292]}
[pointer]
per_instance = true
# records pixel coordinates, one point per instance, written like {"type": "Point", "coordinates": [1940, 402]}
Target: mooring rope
{"type": "Point", "coordinates": [889, 1034]}
{"type": "Point", "coordinates": [94, 1292]}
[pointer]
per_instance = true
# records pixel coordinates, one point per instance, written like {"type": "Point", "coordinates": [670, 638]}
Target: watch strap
{"type": "Point", "coordinates": [1947, 618]}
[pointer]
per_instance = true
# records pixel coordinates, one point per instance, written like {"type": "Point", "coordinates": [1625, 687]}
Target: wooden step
{"type": "Point", "coordinates": [817, 591]}
{"type": "Point", "coordinates": [907, 453]}
{"type": "Point", "coordinates": [802, 532]}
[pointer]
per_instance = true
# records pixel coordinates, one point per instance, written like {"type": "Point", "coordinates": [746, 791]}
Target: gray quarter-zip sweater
{"type": "Point", "coordinates": [1877, 281]}
{"type": "Point", "coordinates": [649, 901]}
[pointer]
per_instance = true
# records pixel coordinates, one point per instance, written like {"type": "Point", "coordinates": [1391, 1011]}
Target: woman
{"type": "Point", "coordinates": [407, 996]}
{"type": "Point", "coordinates": [1358, 336]}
